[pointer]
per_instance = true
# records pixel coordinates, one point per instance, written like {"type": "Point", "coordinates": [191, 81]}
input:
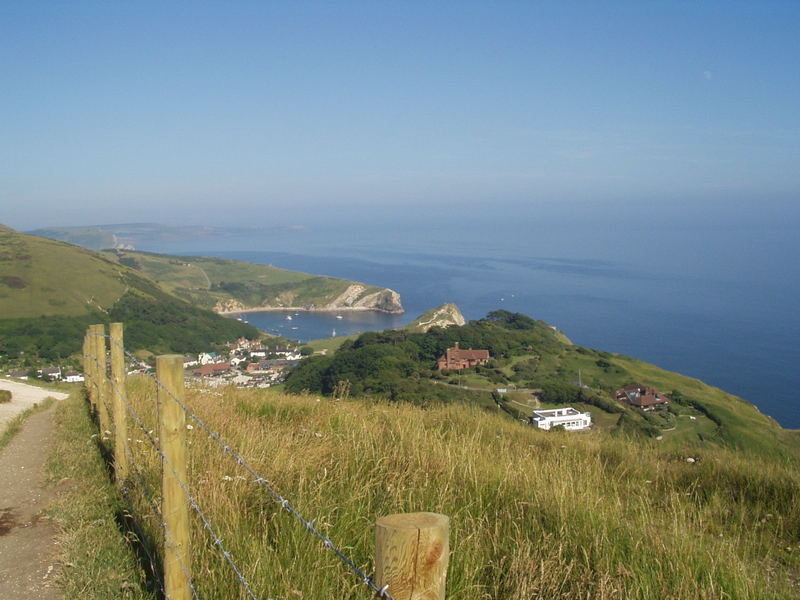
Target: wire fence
{"type": "Point", "coordinates": [96, 367]}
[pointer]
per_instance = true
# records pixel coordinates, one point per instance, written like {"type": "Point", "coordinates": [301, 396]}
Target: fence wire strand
{"type": "Point", "coordinates": [149, 496]}
{"type": "Point", "coordinates": [381, 592]}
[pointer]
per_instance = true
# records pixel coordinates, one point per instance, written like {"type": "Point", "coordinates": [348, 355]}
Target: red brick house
{"type": "Point", "coordinates": [456, 359]}
{"type": "Point", "coordinates": [642, 397]}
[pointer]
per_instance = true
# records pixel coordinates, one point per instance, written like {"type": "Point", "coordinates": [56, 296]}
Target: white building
{"type": "Point", "coordinates": [567, 417]}
{"type": "Point", "coordinates": [73, 377]}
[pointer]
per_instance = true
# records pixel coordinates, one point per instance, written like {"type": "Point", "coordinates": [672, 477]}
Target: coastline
{"type": "Point", "coordinates": [226, 313]}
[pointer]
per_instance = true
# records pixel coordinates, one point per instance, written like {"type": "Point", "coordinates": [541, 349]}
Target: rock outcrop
{"type": "Point", "coordinates": [354, 298]}
{"type": "Point", "coordinates": [231, 305]}
{"type": "Point", "coordinates": [442, 316]}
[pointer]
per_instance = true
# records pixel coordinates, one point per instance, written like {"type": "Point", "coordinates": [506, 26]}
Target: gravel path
{"type": "Point", "coordinates": [23, 396]}
{"type": "Point", "coordinates": [27, 537]}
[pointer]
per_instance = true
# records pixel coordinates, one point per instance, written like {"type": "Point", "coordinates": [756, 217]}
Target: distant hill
{"type": "Point", "coordinates": [50, 290]}
{"type": "Point", "coordinates": [129, 235]}
{"type": "Point", "coordinates": [229, 286]}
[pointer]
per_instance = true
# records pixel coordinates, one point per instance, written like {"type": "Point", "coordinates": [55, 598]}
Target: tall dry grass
{"type": "Point", "coordinates": [533, 514]}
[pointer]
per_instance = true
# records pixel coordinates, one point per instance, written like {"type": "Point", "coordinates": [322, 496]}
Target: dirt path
{"type": "Point", "coordinates": [27, 546]}
{"type": "Point", "coordinates": [23, 396]}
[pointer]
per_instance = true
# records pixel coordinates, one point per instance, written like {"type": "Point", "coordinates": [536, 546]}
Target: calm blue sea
{"type": "Point", "coordinates": [714, 302]}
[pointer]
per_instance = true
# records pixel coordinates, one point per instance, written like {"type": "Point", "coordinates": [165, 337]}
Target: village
{"type": "Point", "coordinates": [251, 364]}
{"type": "Point", "coordinates": [244, 363]}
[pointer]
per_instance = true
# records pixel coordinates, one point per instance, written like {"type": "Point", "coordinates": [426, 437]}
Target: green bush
{"type": "Point", "coordinates": [5, 396]}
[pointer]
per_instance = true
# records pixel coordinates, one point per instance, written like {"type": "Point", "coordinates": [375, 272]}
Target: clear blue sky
{"type": "Point", "coordinates": [231, 112]}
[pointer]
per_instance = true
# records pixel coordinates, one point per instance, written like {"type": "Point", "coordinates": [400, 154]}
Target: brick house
{"type": "Point", "coordinates": [642, 397]}
{"type": "Point", "coordinates": [456, 359]}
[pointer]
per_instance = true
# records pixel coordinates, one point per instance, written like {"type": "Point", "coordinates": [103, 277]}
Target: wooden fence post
{"type": "Point", "coordinates": [120, 414]}
{"type": "Point", "coordinates": [174, 504]}
{"type": "Point", "coordinates": [412, 552]}
{"type": "Point", "coordinates": [87, 364]}
{"type": "Point", "coordinates": [101, 380]}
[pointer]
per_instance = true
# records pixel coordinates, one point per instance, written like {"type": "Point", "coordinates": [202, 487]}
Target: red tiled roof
{"type": "Point", "coordinates": [212, 368]}
{"type": "Point", "coordinates": [459, 354]}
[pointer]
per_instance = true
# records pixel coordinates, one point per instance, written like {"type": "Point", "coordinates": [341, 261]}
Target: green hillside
{"type": "Point", "coordinates": [42, 277]}
{"type": "Point", "coordinates": [50, 291]}
{"type": "Point", "coordinates": [230, 285]}
{"type": "Point", "coordinates": [541, 368]}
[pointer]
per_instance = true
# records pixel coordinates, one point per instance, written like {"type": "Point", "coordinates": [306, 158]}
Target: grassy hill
{"type": "Point", "coordinates": [50, 291]}
{"type": "Point", "coordinates": [533, 514]}
{"type": "Point", "coordinates": [544, 368]}
{"type": "Point", "coordinates": [42, 277]}
{"type": "Point", "coordinates": [229, 285]}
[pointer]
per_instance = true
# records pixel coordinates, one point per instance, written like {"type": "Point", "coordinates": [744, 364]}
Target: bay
{"type": "Point", "coordinates": [717, 304]}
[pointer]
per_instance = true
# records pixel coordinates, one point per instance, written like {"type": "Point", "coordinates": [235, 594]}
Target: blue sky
{"type": "Point", "coordinates": [223, 113]}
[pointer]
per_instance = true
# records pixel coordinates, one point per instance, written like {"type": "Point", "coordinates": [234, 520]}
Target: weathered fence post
{"type": "Point", "coordinates": [101, 379]}
{"type": "Point", "coordinates": [174, 504]}
{"type": "Point", "coordinates": [87, 365]}
{"type": "Point", "coordinates": [118, 399]}
{"type": "Point", "coordinates": [412, 552]}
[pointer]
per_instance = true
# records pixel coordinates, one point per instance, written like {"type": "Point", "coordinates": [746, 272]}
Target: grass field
{"type": "Point", "coordinates": [37, 277]}
{"type": "Point", "coordinates": [533, 514]}
{"type": "Point", "coordinates": [206, 281]}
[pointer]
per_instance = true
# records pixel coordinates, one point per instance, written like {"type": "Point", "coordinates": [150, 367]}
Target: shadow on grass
{"type": "Point", "coordinates": [125, 518]}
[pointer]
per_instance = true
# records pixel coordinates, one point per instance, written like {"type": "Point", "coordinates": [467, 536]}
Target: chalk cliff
{"type": "Point", "coordinates": [356, 297]}
{"type": "Point", "coordinates": [442, 316]}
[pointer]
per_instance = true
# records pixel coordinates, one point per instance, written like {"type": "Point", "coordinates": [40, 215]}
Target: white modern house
{"type": "Point", "coordinates": [567, 417]}
{"type": "Point", "coordinates": [73, 377]}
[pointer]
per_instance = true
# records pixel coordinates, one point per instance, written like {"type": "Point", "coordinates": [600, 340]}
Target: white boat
{"type": "Point", "coordinates": [339, 317]}
{"type": "Point", "coordinates": [288, 317]}
{"type": "Point", "coordinates": [333, 333]}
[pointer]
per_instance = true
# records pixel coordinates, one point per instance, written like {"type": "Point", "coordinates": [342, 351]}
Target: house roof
{"type": "Point", "coordinates": [456, 353]}
{"type": "Point", "coordinates": [212, 368]}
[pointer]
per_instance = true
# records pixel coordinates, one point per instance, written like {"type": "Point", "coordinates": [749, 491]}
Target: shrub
{"type": "Point", "coordinates": [5, 396]}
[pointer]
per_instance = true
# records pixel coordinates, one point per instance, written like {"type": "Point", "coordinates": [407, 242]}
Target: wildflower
{"type": "Point", "coordinates": [189, 426]}
{"type": "Point", "coordinates": [227, 478]}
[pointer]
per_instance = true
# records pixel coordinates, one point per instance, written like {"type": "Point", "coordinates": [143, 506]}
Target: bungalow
{"type": "Point", "coordinates": [456, 359]}
{"type": "Point", "coordinates": [73, 377]}
{"type": "Point", "coordinates": [50, 372]}
{"type": "Point", "coordinates": [19, 373]}
{"type": "Point", "coordinates": [642, 397]}
{"type": "Point", "coordinates": [567, 417]}
{"type": "Point", "coordinates": [190, 361]}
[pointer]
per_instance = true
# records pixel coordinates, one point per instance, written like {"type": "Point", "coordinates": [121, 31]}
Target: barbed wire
{"type": "Point", "coordinates": [150, 498]}
{"type": "Point", "coordinates": [382, 592]}
{"type": "Point", "coordinates": [142, 537]}
{"type": "Point", "coordinates": [217, 540]}
{"type": "Point", "coordinates": [284, 502]}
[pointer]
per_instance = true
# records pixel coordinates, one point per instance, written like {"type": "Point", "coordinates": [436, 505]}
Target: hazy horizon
{"type": "Point", "coordinates": [309, 113]}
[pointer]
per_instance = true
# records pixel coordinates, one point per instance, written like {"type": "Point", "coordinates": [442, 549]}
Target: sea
{"type": "Point", "coordinates": [711, 298]}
